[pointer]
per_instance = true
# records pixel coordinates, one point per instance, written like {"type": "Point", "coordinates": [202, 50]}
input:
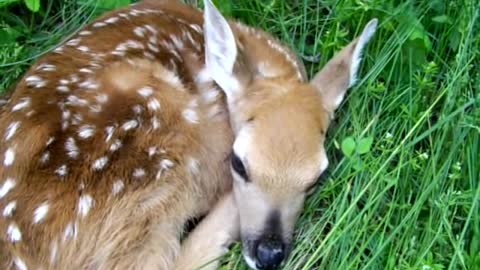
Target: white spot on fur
{"type": "Point", "coordinates": [66, 114]}
{"type": "Point", "coordinates": [24, 103]}
{"type": "Point", "coordinates": [11, 129]}
{"type": "Point", "coordinates": [153, 48]}
{"type": "Point", "coordinates": [20, 264]}
{"type": "Point", "coordinates": [73, 42]}
{"type": "Point", "coordinates": [71, 231]}
{"type": "Point", "coordinates": [62, 170]}
{"type": "Point", "coordinates": [85, 33]}
{"type": "Point", "coordinates": [153, 104]}
{"type": "Point", "coordinates": [153, 40]}
{"type": "Point", "coordinates": [203, 76]}
{"type": "Point", "coordinates": [151, 29]}
{"type": "Point", "coordinates": [100, 163]}
{"type": "Point", "coordinates": [101, 98]}
{"type": "Point", "coordinates": [166, 164]}
{"type": "Point", "coordinates": [45, 157]}
{"type": "Point", "coordinates": [8, 185]}
{"type": "Point", "coordinates": [14, 233]}
{"type": "Point", "coordinates": [46, 67]}
{"type": "Point", "coordinates": [131, 124]}
{"type": "Point", "coordinates": [109, 130]}
{"type": "Point", "coordinates": [72, 148]}
{"type": "Point", "coordinates": [86, 131]}
{"type": "Point", "coordinates": [139, 172]}
{"type": "Point", "coordinates": [9, 157]}
{"type": "Point", "coordinates": [145, 91]}
{"type": "Point", "coordinates": [99, 24]}
{"type": "Point", "coordinates": [74, 78]}
{"type": "Point", "coordinates": [76, 101]}
{"type": "Point", "coordinates": [10, 209]}
{"type": "Point", "coordinates": [117, 187]}
{"type": "Point", "coordinates": [177, 42]}
{"type": "Point", "coordinates": [148, 55]}
{"type": "Point", "coordinates": [83, 48]}
{"type": "Point", "coordinates": [137, 109]}
{"type": "Point", "coordinates": [63, 88]}
{"type": "Point", "coordinates": [132, 44]}
{"type": "Point", "coordinates": [139, 31]}
{"type": "Point", "coordinates": [197, 28]}
{"type": "Point", "coordinates": [155, 122]}
{"type": "Point", "coordinates": [86, 70]}
{"type": "Point", "coordinates": [112, 20]}
{"type": "Point", "coordinates": [40, 213]}
{"type": "Point", "coordinates": [85, 204]}
{"type": "Point", "coordinates": [152, 151]}
{"type": "Point", "coordinates": [190, 115]}
{"type": "Point", "coordinates": [89, 84]}
{"type": "Point", "coordinates": [115, 145]}
{"type": "Point", "coordinates": [35, 81]}
{"type": "Point", "coordinates": [50, 141]}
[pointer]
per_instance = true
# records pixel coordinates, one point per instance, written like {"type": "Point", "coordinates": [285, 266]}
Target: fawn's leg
{"type": "Point", "coordinates": [211, 237]}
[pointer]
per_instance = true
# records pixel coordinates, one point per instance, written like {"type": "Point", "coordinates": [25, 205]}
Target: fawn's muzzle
{"type": "Point", "coordinates": [270, 254]}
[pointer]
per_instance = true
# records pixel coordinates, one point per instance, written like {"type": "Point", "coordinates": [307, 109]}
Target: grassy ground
{"type": "Point", "coordinates": [403, 190]}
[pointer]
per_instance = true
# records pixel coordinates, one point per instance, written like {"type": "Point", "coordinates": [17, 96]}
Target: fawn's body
{"type": "Point", "coordinates": [112, 142]}
{"type": "Point", "coordinates": [127, 130]}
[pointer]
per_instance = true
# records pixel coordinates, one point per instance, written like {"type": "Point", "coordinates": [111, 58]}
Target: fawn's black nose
{"type": "Point", "coordinates": [270, 254]}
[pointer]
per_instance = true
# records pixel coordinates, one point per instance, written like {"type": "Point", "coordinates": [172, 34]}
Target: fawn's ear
{"type": "Point", "coordinates": [340, 73]}
{"type": "Point", "coordinates": [221, 52]}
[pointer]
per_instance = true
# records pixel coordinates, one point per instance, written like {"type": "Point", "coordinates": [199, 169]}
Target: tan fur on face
{"type": "Point", "coordinates": [288, 130]}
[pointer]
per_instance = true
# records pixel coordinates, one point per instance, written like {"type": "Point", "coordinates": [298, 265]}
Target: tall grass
{"type": "Point", "coordinates": [409, 199]}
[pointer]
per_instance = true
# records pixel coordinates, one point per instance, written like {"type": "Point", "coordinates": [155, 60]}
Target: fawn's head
{"type": "Point", "coordinates": [280, 126]}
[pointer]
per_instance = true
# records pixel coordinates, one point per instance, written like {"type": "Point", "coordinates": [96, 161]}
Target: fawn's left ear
{"type": "Point", "coordinates": [221, 53]}
{"type": "Point", "coordinates": [340, 73]}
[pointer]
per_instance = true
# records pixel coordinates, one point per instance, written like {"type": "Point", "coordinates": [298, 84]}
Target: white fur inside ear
{"type": "Point", "coordinates": [366, 35]}
{"type": "Point", "coordinates": [220, 50]}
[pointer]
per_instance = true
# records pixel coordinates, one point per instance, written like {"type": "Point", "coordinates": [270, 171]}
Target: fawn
{"type": "Point", "coordinates": [152, 115]}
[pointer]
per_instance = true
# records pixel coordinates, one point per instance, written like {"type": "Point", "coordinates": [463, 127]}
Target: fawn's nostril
{"type": "Point", "coordinates": [270, 255]}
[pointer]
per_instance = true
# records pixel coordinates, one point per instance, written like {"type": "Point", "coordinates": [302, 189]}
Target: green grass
{"type": "Point", "coordinates": [410, 200]}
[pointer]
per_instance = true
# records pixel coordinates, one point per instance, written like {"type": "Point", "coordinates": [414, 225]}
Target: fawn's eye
{"type": "Point", "coordinates": [238, 167]}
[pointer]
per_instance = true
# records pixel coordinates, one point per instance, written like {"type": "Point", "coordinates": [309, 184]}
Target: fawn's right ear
{"type": "Point", "coordinates": [340, 73]}
{"type": "Point", "coordinates": [221, 53]}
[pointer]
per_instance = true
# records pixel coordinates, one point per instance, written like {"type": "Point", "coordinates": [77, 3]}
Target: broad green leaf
{"type": "Point", "coordinates": [348, 146]}
{"type": "Point", "coordinates": [358, 164]}
{"type": "Point", "coordinates": [33, 5]}
{"type": "Point", "coordinates": [364, 145]}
